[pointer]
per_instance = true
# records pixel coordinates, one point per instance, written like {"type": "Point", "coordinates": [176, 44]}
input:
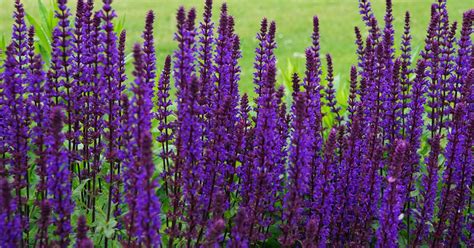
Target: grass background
{"type": "Point", "coordinates": [294, 25]}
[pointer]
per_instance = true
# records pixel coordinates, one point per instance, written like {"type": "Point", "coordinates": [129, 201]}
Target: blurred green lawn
{"type": "Point", "coordinates": [294, 25]}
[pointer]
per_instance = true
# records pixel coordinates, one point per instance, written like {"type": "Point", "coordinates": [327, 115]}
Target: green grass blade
{"type": "Point", "coordinates": [43, 38]}
{"type": "Point", "coordinates": [3, 44]}
{"type": "Point", "coordinates": [3, 47]}
{"type": "Point", "coordinates": [45, 15]}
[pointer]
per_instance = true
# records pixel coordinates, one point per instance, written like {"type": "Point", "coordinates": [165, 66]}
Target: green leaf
{"type": "Point", "coordinates": [3, 43]}
{"type": "Point", "coordinates": [414, 193]}
{"type": "Point", "coordinates": [45, 14]}
{"type": "Point", "coordinates": [3, 47]}
{"type": "Point", "coordinates": [51, 20]}
{"type": "Point", "coordinates": [109, 228]}
{"type": "Point", "coordinates": [119, 24]}
{"type": "Point", "coordinates": [414, 54]}
{"type": "Point", "coordinates": [375, 225]}
{"type": "Point", "coordinates": [342, 90]}
{"type": "Point", "coordinates": [77, 191]}
{"type": "Point", "coordinates": [402, 238]}
{"type": "Point", "coordinates": [272, 242]}
{"type": "Point", "coordinates": [164, 199]}
{"type": "Point", "coordinates": [45, 54]}
{"type": "Point", "coordinates": [287, 74]}
{"type": "Point", "coordinates": [44, 39]}
{"type": "Point", "coordinates": [128, 58]}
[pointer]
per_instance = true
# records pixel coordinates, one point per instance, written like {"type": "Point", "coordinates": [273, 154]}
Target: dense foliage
{"type": "Point", "coordinates": [89, 157]}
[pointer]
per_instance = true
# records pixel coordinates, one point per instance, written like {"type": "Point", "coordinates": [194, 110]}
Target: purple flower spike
{"type": "Point", "coordinates": [214, 233]}
{"type": "Point", "coordinates": [366, 11]}
{"type": "Point", "coordinates": [206, 49]}
{"type": "Point", "coordinates": [39, 106]}
{"type": "Point", "coordinates": [463, 56]}
{"type": "Point", "coordinates": [259, 63]}
{"type": "Point", "coordinates": [217, 224]}
{"type": "Point", "coordinates": [61, 76]}
{"type": "Point", "coordinates": [414, 129]}
{"type": "Point", "coordinates": [148, 217]}
{"type": "Point", "coordinates": [149, 57]}
{"type": "Point", "coordinates": [186, 169]}
{"type": "Point", "coordinates": [369, 19]}
{"type": "Point", "coordinates": [163, 115]}
{"type": "Point", "coordinates": [353, 93]}
{"type": "Point", "coordinates": [59, 187]}
{"type": "Point", "coordinates": [430, 181]}
{"type": "Point", "coordinates": [15, 80]}
{"type": "Point", "coordinates": [322, 207]}
{"type": "Point", "coordinates": [135, 123]}
{"type": "Point", "coordinates": [82, 241]}
{"type": "Point", "coordinates": [239, 239]}
{"type": "Point", "coordinates": [190, 156]}
{"type": "Point", "coordinates": [315, 48]}
{"type": "Point", "coordinates": [183, 73]}
{"type": "Point", "coordinates": [391, 206]}
{"type": "Point", "coordinates": [43, 223]}
{"type": "Point", "coordinates": [390, 121]}
{"type": "Point", "coordinates": [464, 183]}
{"type": "Point", "coordinates": [331, 92]}
{"type": "Point", "coordinates": [265, 178]}
{"type": "Point", "coordinates": [111, 100]}
{"type": "Point", "coordinates": [348, 215]}
{"type": "Point", "coordinates": [219, 115]}
{"type": "Point", "coordinates": [143, 220]}
{"type": "Point", "coordinates": [297, 186]}
{"type": "Point", "coordinates": [122, 129]}
{"type": "Point", "coordinates": [415, 114]}
{"type": "Point", "coordinates": [454, 195]}
{"type": "Point", "coordinates": [184, 57]}
{"type": "Point", "coordinates": [9, 223]}
{"type": "Point", "coordinates": [109, 84]}
{"type": "Point", "coordinates": [79, 85]}
{"type": "Point", "coordinates": [311, 84]}
{"type": "Point", "coordinates": [360, 46]}
{"type": "Point", "coordinates": [388, 39]}
{"type": "Point", "coordinates": [405, 73]}
{"type": "Point", "coordinates": [245, 141]}
{"type": "Point", "coordinates": [283, 126]}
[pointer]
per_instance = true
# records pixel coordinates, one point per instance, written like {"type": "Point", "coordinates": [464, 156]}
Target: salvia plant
{"type": "Point", "coordinates": [93, 156]}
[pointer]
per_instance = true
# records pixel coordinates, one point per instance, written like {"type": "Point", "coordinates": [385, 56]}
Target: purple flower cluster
{"type": "Point", "coordinates": [209, 167]}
